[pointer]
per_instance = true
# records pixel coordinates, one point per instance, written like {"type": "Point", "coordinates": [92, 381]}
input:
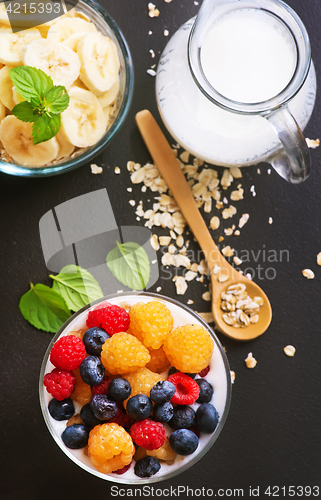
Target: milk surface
{"type": "Point", "coordinates": [218, 376]}
{"type": "Point", "coordinates": [248, 55]}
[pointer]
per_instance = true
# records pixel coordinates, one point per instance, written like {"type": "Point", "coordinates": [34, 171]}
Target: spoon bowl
{"type": "Point", "coordinates": [222, 273]}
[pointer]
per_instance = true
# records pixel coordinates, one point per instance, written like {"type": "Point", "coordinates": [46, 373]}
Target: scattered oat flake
{"type": "Point", "coordinates": [270, 220]}
{"type": "Point", "coordinates": [190, 275]}
{"type": "Point", "coordinates": [130, 189]}
{"type": "Point", "coordinates": [307, 273]}
{"type": "Point", "coordinates": [269, 171]}
{"type": "Point", "coordinates": [206, 296]}
{"type": "Point", "coordinates": [166, 32]}
{"type": "Point", "coordinates": [258, 171]}
{"type": "Point", "coordinates": [236, 172]}
{"type": "Point", "coordinates": [214, 223]}
{"type": "Point", "coordinates": [207, 317]}
{"type": "Point", "coordinates": [167, 1]}
{"type": "Point", "coordinates": [117, 170]}
{"type": "Point", "coordinates": [237, 233]}
{"type": "Point", "coordinates": [190, 302]}
{"type": "Point", "coordinates": [221, 238]}
{"type": "Point", "coordinates": [232, 376]}
{"type": "Point", "coordinates": [158, 289]}
{"type": "Point", "coordinates": [152, 53]}
{"type": "Point", "coordinates": [95, 169]}
{"type": "Point", "coordinates": [180, 284]}
{"type": "Point", "coordinates": [313, 143]}
{"type": "Point", "coordinates": [250, 361]}
{"type": "Point", "coordinates": [150, 32]}
{"type": "Point", "coordinates": [237, 261]}
{"type": "Point", "coordinates": [243, 220]}
{"type": "Point", "coordinates": [228, 251]}
{"type": "Point", "coordinates": [151, 72]}
{"type": "Point", "coordinates": [132, 202]}
{"type": "Point", "coordinates": [319, 259]}
{"type": "Point", "coordinates": [289, 350]}
{"type": "Point", "coordinates": [154, 242]}
{"type": "Point", "coordinates": [252, 189]}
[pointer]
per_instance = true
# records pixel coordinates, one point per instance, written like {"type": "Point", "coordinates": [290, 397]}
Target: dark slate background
{"type": "Point", "coordinates": [272, 435]}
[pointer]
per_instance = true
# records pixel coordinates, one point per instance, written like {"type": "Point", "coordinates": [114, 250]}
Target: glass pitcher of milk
{"type": "Point", "coordinates": [236, 86]}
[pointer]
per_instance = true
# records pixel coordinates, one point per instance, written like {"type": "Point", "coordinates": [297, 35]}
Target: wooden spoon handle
{"type": "Point", "coordinates": [169, 167]}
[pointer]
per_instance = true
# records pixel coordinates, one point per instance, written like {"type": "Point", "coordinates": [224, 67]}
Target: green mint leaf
{"type": "Point", "coordinates": [129, 263]}
{"type": "Point", "coordinates": [57, 99]}
{"type": "Point", "coordinates": [25, 112]}
{"type": "Point", "coordinates": [44, 308]}
{"type": "Point", "coordinates": [76, 286]}
{"type": "Point", "coordinates": [31, 83]}
{"type": "Point", "coordinates": [45, 128]}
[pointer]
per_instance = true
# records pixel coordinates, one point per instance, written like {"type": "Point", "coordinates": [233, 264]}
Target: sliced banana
{"type": "Point", "coordinates": [107, 112]}
{"type": "Point", "coordinates": [55, 59]}
{"type": "Point", "coordinates": [16, 137]}
{"type": "Point", "coordinates": [108, 97]}
{"type": "Point", "coordinates": [83, 122]}
{"type": "Point", "coordinates": [65, 147]}
{"type": "Point", "coordinates": [17, 98]}
{"type": "Point", "coordinates": [73, 40]}
{"type": "Point", "coordinates": [4, 19]}
{"type": "Point", "coordinates": [62, 30]}
{"type": "Point", "coordinates": [99, 62]}
{"type": "Point", "coordinates": [6, 84]}
{"type": "Point", "coordinates": [3, 111]}
{"type": "Point", "coordinates": [80, 84]}
{"type": "Point", "coordinates": [11, 44]}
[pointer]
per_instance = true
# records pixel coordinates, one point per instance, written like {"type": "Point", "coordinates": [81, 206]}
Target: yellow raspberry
{"type": "Point", "coordinates": [158, 360]}
{"type": "Point", "coordinates": [140, 453]}
{"type": "Point", "coordinates": [189, 348]}
{"type": "Point", "coordinates": [150, 323]}
{"type": "Point", "coordinates": [82, 392]}
{"type": "Point", "coordinates": [123, 353]}
{"type": "Point", "coordinates": [110, 447]}
{"type": "Point", "coordinates": [142, 381]}
{"type": "Point", "coordinates": [165, 452]}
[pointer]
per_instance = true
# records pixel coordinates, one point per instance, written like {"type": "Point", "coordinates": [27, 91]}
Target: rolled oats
{"type": "Point", "coordinates": [206, 296]}
{"type": "Point", "coordinates": [307, 273]}
{"type": "Point", "coordinates": [243, 220]}
{"type": "Point", "coordinates": [250, 361]}
{"type": "Point", "coordinates": [289, 350]}
{"type": "Point", "coordinates": [154, 242]}
{"type": "Point", "coordinates": [214, 223]}
{"type": "Point", "coordinates": [319, 259]}
{"type": "Point", "coordinates": [95, 169]}
{"type": "Point", "coordinates": [180, 284]}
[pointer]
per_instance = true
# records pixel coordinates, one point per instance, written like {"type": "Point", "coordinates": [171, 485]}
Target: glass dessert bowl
{"type": "Point", "coordinates": [218, 376]}
{"type": "Point", "coordinates": [109, 108]}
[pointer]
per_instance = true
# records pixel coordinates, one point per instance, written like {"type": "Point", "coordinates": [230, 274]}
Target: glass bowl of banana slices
{"type": "Point", "coordinates": [72, 77]}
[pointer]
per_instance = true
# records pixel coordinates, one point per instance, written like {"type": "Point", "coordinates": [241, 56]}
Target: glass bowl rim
{"type": "Point", "coordinates": [216, 432]}
{"type": "Point", "coordinates": [71, 164]}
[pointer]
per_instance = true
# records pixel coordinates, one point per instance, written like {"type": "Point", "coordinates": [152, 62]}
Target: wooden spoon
{"type": "Point", "coordinates": [222, 273]}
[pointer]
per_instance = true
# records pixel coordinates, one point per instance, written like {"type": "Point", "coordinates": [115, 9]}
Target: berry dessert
{"type": "Point", "coordinates": [135, 388]}
{"type": "Point", "coordinates": [78, 56]}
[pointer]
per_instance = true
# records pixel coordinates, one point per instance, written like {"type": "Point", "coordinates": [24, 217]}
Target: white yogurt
{"type": "Point", "coordinates": [218, 376]}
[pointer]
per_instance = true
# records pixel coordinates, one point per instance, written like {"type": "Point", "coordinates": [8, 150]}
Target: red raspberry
{"type": "Point", "coordinates": [59, 383]}
{"type": "Point", "coordinates": [68, 352]}
{"type": "Point", "coordinates": [187, 390]}
{"type": "Point", "coordinates": [204, 372]}
{"type": "Point", "coordinates": [122, 470]}
{"type": "Point", "coordinates": [112, 318]}
{"type": "Point", "coordinates": [102, 388]}
{"type": "Point", "coordinates": [148, 434]}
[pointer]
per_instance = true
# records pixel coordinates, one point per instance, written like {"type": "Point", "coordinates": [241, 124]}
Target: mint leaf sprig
{"type": "Point", "coordinates": [44, 101]}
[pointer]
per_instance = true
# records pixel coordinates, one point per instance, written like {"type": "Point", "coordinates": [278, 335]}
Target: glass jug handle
{"type": "Point", "coordinates": [292, 162]}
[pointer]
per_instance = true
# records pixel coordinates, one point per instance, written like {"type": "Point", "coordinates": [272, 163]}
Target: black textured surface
{"type": "Point", "coordinates": [272, 435]}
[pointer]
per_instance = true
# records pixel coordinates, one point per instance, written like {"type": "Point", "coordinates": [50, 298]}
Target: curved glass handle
{"type": "Point", "coordinates": [292, 162]}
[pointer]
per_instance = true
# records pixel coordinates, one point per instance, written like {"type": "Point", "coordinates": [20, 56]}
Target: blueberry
{"type": "Point", "coordinates": [206, 418]}
{"type": "Point", "coordinates": [94, 339]}
{"type": "Point", "coordinates": [183, 417]}
{"type": "Point", "coordinates": [162, 392]}
{"type": "Point", "coordinates": [206, 391]}
{"type": "Point", "coordinates": [88, 417]}
{"type": "Point", "coordinates": [119, 389]}
{"type": "Point", "coordinates": [139, 407]}
{"type": "Point", "coordinates": [92, 370]}
{"type": "Point", "coordinates": [75, 436]}
{"type": "Point", "coordinates": [147, 467]}
{"type": "Point", "coordinates": [163, 413]}
{"type": "Point", "coordinates": [61, 410]}
{"type": "Point", "coordinates": [183, 441]}
{"type": "Point", "coordinates": [174, 370]}
{"type": "Point", "coordinates": [103, 407]}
